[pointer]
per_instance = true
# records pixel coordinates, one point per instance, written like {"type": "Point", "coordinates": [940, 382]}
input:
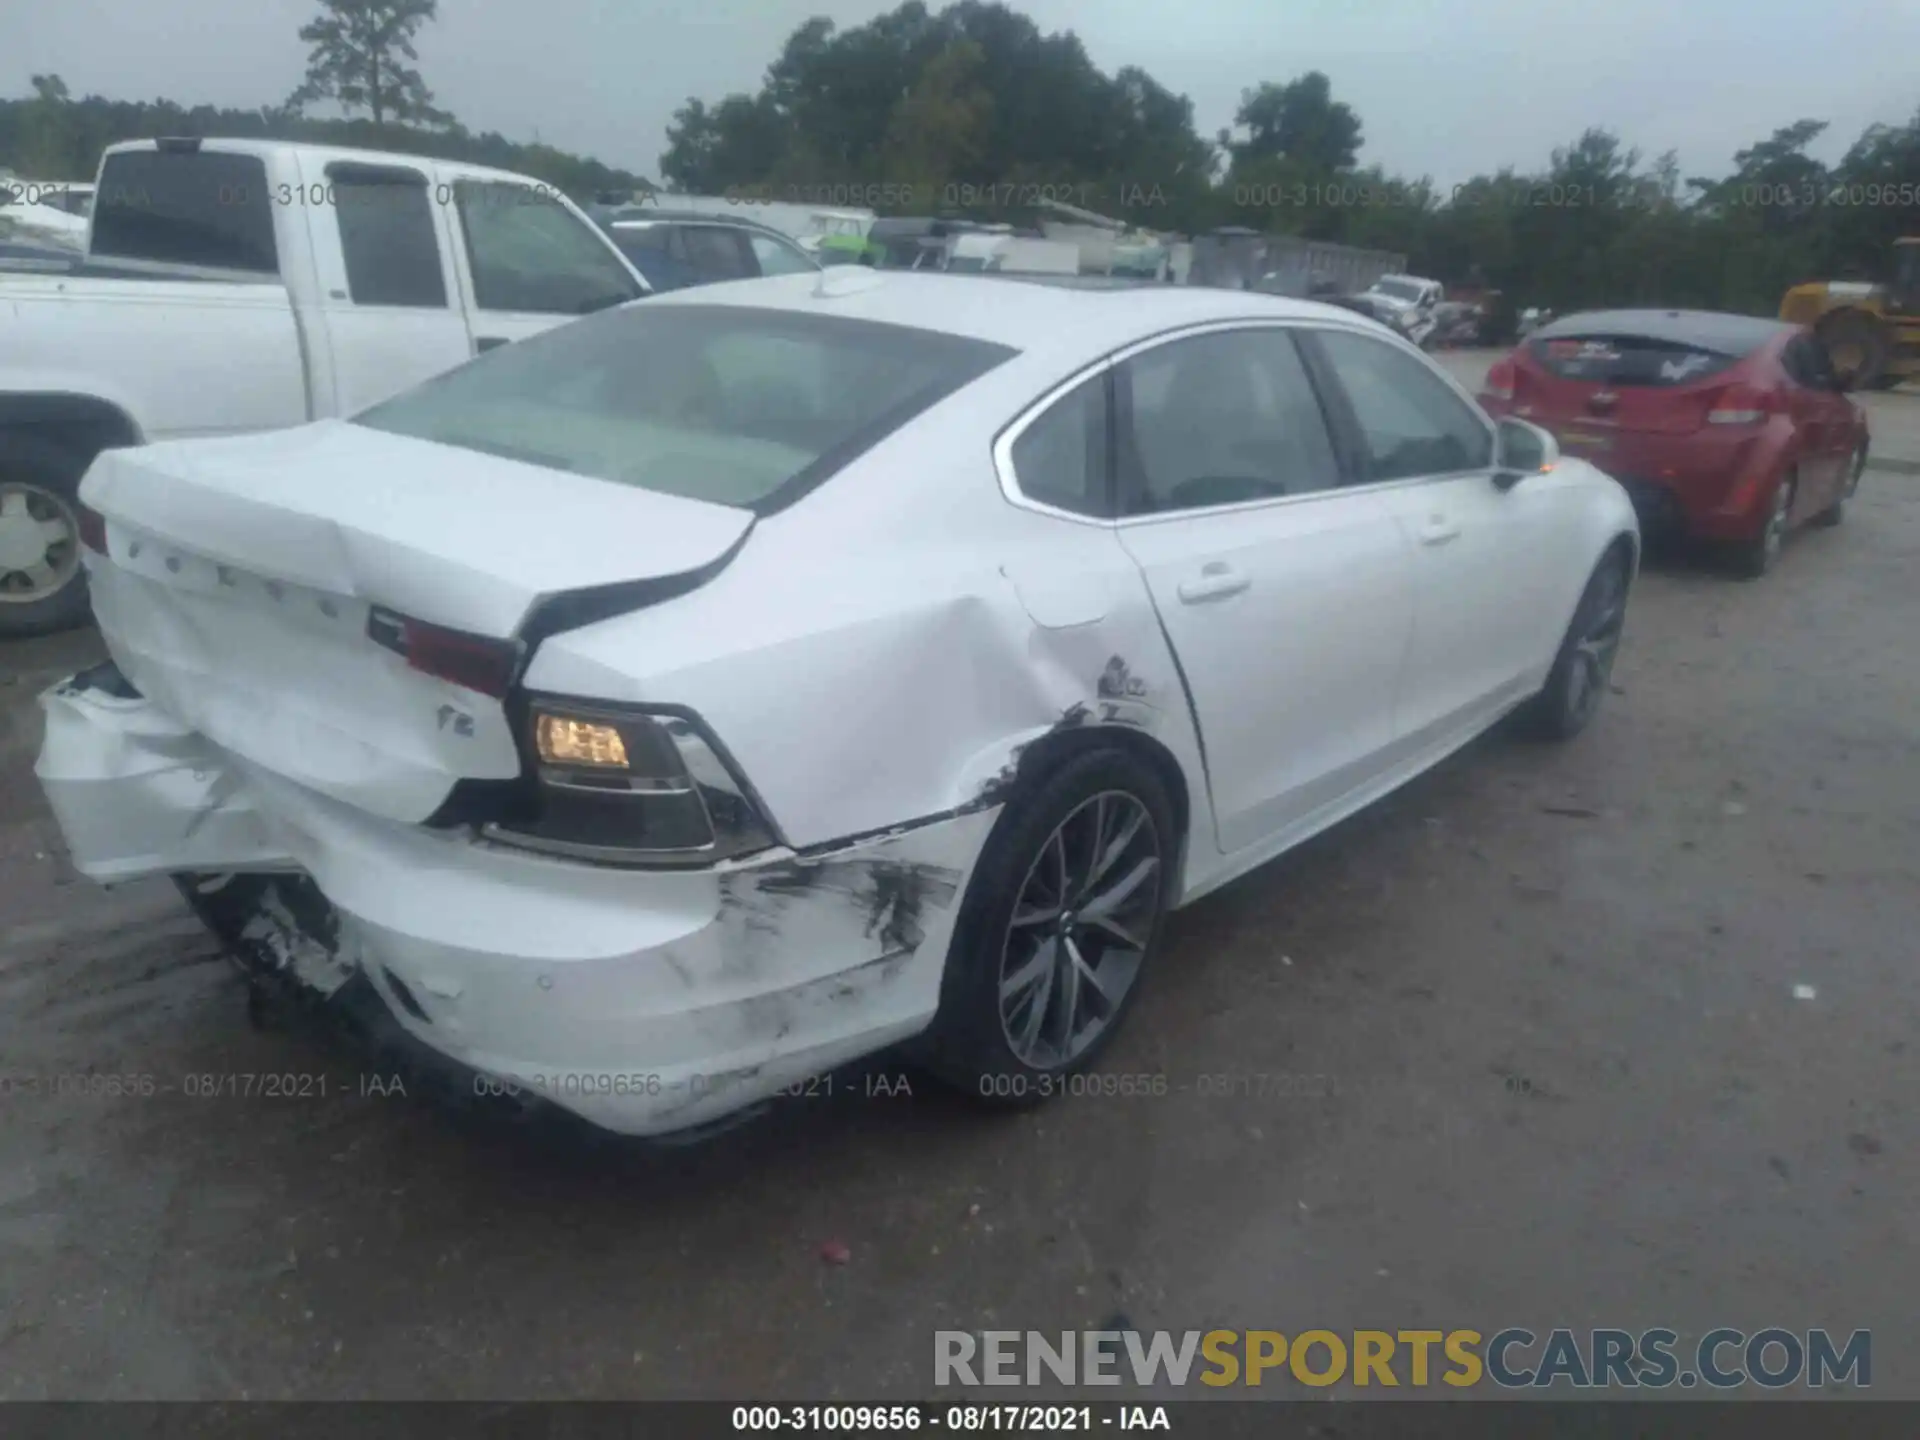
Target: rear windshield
{"type": "Point", "coordinates": [1399, 289]}
{"type": "Point", "coordinates": [1629, 360]}
{"type": "Point", "coordinates": [742, 407]}
{"type": "Point", "coordinates": [199, 208]}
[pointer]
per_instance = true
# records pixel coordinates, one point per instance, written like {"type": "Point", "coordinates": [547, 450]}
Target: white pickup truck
{"type": "Point", "coordinates": [233, 285]}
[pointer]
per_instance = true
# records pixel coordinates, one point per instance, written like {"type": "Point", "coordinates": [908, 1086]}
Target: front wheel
{"type": "Point", "coordinates": [1837, 511]}
{"type": "Point", "coordinates": [1060, 920]}
{"type": "Point", "coordinates": [1583, 668]}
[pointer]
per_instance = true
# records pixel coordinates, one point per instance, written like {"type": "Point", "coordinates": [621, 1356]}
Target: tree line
{"type": "Point", "coordinates": [974, 109]}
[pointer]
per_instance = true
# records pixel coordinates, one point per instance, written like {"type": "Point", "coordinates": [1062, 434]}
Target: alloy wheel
{"type": "Point", "coordinates": [1080, 927]}
{"type": "Point", "coordinates": [1597, 644]}
{"type": "Point", "coordinates": [39, 542]}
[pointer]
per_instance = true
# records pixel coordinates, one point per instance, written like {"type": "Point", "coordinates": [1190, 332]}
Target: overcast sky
{"type": "Point", "coordinates": [1449, 88]}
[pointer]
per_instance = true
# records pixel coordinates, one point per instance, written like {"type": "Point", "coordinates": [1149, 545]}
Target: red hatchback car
{"type": "Point", "coordinates": [1725, 427]}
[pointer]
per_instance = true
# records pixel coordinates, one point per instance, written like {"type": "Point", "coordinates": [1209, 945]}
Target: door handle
{"type": "Point", "coordinates": [484, 343]}
{"type": "Point", "coordinates": [1438, 529]}
{"type": "Point", "coordinates": [1216, 582]}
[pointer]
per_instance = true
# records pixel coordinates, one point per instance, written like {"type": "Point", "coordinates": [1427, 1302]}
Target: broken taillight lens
{"type": "Point", "coordinates": [477, 662]}
{"type": "Point", "coordinates": [631, 787]}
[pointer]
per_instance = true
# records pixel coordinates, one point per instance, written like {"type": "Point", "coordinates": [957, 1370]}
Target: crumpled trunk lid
{"type": "Point", "coordinates": [244, 573]}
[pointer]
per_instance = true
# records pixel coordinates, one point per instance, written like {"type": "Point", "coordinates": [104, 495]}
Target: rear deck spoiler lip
{"type": "Point", "coordinates": [575, 609]}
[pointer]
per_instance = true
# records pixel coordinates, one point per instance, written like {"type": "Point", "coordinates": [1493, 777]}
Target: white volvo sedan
{"type": "Point", "coordinates": [664, 710]}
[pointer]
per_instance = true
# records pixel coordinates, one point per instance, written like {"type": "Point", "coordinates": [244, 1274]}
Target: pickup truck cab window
{"type": "Point", "coordinates": [204, 208]}
{"type": "Point", "coordinates": [531, 255]}
{"type": "Point", "coordinates": [387, 236]}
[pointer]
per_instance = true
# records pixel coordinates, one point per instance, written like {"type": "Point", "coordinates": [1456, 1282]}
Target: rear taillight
{"type": "Point", "coordinates": [477, 662]}
{"type": "Point", "coordinates": [93, 528]}
{"type": "Point", "coordinates": [1500, 380]}
{"type": "Point", "coordinates": [1741, 404]}
{"type": "Point", "coordinates": [626, 786]}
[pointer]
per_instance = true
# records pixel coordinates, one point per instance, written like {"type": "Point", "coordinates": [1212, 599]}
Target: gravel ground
{"type": "Point", "coordinates": [1551, 992]}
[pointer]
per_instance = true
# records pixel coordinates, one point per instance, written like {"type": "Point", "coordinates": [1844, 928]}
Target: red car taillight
{"type": "Point", "coordinates": [1741, 404]}
{"type": "Point", "coordinates": [478, 662]}
{"type": "Point", "coordinates": [93, 528]}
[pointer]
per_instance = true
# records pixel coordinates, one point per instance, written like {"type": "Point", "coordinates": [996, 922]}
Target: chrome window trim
{"type": "Point", "coordinates": [1004, 442]}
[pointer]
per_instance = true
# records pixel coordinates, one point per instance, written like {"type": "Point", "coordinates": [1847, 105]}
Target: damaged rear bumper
{"type": "Point", "coordinates": [645, 1001]}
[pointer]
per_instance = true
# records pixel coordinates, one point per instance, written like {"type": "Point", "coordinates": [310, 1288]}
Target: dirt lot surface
{"type": "Point", "coordinates": [1551, 994]}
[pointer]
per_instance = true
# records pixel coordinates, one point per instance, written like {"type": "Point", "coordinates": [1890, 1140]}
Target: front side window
{"type": "Point", "coordinates": [1061, 458]}
{"type": "Point", "coordinates": [1221, 419]}
{"type": "Point", "coordinates": [530, 254]}
{"type": "Point", "coordinates": [387, 237]}
{"type": "Point", "coordinates": [1411, 423]}
{"type": "Point", "coordinates": [732, 405]}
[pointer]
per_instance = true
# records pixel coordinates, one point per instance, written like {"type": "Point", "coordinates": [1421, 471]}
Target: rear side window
{"type": "Point", "coordinates": [736, 406]}
{"type": "Point", "coordinates": [1061, 458]}
{"type": "Point", "coordinates": [1628, 360]}
{"type": "Point", "coordinates": [653, 250]}
{"type": "Point", "coordinates": [387, 236]}
{"type": "Point", "coordinates": [202, 208]}
{"type": "Point", "coordinates": [1805, 360]}
{"type": "Point", "coordinates": [717, 253]}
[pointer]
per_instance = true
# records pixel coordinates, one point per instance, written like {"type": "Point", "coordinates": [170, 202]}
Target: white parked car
{"type": "Point", "coordinates": [680, 704]}
{"type": "Point", "coordinates": [235, 285]}
{"type": "Point", "coordinates": [1408, 304]}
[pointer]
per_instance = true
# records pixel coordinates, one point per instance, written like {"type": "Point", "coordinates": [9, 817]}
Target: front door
{"type": "Point", "coordinates": [1484, 558]}
{"type": "Point", "coordinates": [531, 263]}
{"type": "Point", "coordinates": [1286, 598]}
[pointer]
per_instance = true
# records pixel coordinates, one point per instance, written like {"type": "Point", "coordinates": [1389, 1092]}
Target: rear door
{"type": "Point", "coordinates": [1285, 597]}
{"type": "Point", "coordinates": [530, 262]}
{"type": "Point", "coordinates": [1488, 564]}
{"type": "Point", "coordinates": [383, 252]}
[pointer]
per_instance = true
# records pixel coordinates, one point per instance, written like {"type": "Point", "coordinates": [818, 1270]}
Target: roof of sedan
{"type": "Point", "coordinates": [1003, 310]}
{"type": "Point", "coordinates": [1703, 329]}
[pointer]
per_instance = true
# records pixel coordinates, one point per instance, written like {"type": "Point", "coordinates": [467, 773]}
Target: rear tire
{"type": "Point", "coordinates": [43, 586]}
{"type": "Point", "coordinates": [1045, 962]}
{"type": "Point", "coordinates": [1753, 558]}
{"type": "Point", "coordinates": [1583, 667]}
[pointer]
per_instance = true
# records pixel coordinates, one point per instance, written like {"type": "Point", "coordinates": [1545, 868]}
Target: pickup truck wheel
{"type": "Point", "coordinates": [43, 587]}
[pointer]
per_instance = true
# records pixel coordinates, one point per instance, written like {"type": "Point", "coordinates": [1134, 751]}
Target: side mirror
{"type": "Point", "coordinates": [1520, 450]}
